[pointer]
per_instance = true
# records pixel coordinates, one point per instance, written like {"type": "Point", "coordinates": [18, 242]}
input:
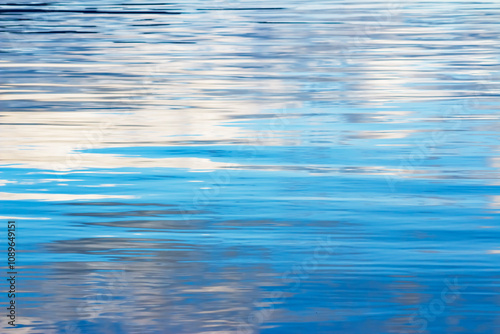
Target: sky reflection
{"type": "Point", "coordinates": [247, 167]}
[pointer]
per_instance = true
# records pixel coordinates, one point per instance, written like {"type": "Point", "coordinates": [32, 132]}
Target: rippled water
{"type": "Point", "coordinates": [252, 167]}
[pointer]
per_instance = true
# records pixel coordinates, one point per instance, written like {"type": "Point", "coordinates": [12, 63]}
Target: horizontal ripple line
{"type": "Point", "coordinates": [84, 11]}
{"type": "Point", "coordinates": [245, 8]}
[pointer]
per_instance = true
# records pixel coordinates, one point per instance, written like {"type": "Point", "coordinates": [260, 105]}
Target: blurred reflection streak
{"type": "Point", "coordinates": [49, 197]}
{"type": "Point", "coordinates": [162, 286]}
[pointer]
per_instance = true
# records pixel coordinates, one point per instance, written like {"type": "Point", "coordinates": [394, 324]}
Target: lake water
{"type": "Point", "coordinates": [252, 166]}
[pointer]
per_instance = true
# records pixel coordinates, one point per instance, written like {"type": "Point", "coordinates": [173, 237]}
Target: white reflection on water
{"type": "Point", "coordinates": [202, 154]}
{"type": "Point", "coordinates": [55, 197]}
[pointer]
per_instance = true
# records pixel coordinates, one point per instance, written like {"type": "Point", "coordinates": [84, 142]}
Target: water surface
{"type": "Point", "coordinates": [252, 166]}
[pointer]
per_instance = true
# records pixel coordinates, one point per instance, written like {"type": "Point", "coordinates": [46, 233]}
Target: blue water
{"type": "Point", "coordinates": [245, 167]}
